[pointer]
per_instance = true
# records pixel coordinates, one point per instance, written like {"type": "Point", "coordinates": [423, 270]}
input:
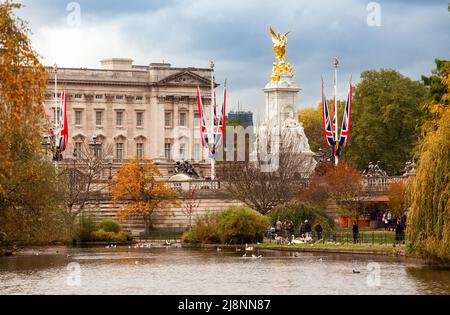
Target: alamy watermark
{"type": "Point", "coordinates": [74, 17]}
{"type": "Point", "coordinates": [374, 16]}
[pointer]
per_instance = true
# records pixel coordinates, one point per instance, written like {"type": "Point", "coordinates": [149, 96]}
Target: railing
{"type": "Point", "coordinates": [202, 185]}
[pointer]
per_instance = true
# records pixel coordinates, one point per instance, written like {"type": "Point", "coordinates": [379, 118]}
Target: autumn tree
{"type": "Point", "coordinates": [137, 186]}
{"type": "Point", "coordinates": [397, 198]}
{"type": "Point", "coordinates": [30, 198]}
{"type": "Point", "coordinates": [342, 184]}
{"type": "Point", "coordinates": [428, 232]}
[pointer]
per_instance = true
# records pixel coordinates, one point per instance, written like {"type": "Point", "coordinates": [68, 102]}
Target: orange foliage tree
{"type": "Point", "coordinates": [397, 198]}
{"type": "Point", "coordinates": [30, 203]}
{"type": "Point", "coordinates": [137, 186]}
{"type": "Point", "coordinates": [22, 87]}
{"type": "Point", "coordinates": [342, 184]}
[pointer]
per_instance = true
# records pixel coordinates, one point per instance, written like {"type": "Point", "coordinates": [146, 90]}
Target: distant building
{"type": "Point", "coordinates": [244, 118]}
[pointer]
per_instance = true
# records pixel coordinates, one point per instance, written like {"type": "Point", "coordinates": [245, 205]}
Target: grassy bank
{"type": "Point", "coordinates": [335, 248]}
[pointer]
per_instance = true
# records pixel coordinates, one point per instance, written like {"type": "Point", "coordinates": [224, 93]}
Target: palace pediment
{"type": "Point", "coordinates": [186, 78]}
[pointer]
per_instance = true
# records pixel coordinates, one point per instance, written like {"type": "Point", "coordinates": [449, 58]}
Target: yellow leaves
{"type": "Point", "coordinates": [22, 86]}
{"type": "Point", "coordinates": [137, 186]}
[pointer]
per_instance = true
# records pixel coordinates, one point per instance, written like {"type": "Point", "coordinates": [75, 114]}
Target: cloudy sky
{"type": "Point", "coordinates": [234, 33]}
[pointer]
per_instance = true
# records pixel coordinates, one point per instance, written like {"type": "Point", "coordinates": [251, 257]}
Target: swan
{"type": "Point", "coordinates": [167, 243]}
{"type": "Point", "coordinates": [295, 242]}
{"type": "Point", "coordinates": [245, 255]}
{"type": "Point", "coordinates": [248, 249]}
{"type": "Point", "coordinates": [219, 249]}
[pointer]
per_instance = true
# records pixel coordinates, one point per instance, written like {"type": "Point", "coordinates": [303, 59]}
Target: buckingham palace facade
{"type": "Point", "coordinates": [135, 111]}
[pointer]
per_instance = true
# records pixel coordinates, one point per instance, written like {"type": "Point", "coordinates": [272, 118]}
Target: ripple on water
{"type": "Point", "coordinates": [181, 271]}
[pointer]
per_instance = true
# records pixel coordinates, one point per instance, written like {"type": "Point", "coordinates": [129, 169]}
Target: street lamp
{"type": "Point", "coordinates": [110, 164]}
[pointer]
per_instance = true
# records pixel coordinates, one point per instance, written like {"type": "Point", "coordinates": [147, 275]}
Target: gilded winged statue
{"type": "Point", "coordinates": [280, 42]}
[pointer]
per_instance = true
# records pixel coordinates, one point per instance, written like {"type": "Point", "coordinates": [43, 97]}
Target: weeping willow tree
{"type": "Point", "coordinates": [428, 233]}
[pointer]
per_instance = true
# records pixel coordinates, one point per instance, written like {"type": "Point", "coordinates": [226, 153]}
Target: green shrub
{"type": "Point", "coordinates": [109, 226]}
{"type": "Point", "coordinates": [205, 230]}
{"type": "Point", "coordinates": [242, 225]}
{"type": "Point", "coordinates": [298, 212]}
{"type": "Point", "coordinates": [84, 229]}
{"type": "Point", "coordinates": [235, 225]}
{"type": "Point", "coordinates": [104, 236]}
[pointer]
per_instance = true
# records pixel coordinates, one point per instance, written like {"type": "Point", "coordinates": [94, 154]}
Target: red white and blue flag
{"type": "Point", "coordinates": [346, 122]}
{"type": "Point", "coordinates": [201, 116]}
{"type": "Point", "coordinates": [64, 133]}
{"type": "Point", "coordinates": [219, 121]}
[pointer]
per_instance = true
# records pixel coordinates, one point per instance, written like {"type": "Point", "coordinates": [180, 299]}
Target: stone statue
{"type": "Point", "coordinates": [374, 170]}
{"type": "Point", "coordinates": [186, 168]}
{"type": "Point", "coordinates": [410, 168]}
{"type": "Point", "coordinates": [280, 42]}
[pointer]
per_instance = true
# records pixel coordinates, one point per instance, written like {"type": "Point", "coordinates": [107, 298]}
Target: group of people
{"type": "Point", "coordinates": [287, 228]}
{"type": "Point", "coordinates": [398, 227]}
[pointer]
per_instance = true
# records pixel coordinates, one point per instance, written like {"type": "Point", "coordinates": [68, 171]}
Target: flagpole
{"type": "Point", "coordinates": [335, 122]}
{"type": "Point", "coordinates": [56, 97]}
{"type": "Point", "coordinates": [211, 139]}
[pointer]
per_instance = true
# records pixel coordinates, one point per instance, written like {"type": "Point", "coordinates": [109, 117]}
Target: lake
{"type": "Point", "coordinates": [156, 271]}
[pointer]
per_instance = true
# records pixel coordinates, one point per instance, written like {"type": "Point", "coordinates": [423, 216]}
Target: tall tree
{"type": "Point", "coordinates": [428, 232]}
{"type": "Point", "coordinates": [137, 186]}
{"type": "Point", "coordinates": [385, 116]}
{"type": "Point", "coordinates": [437, 97]}
{"type": "Point", "coordinates": [29, 192]}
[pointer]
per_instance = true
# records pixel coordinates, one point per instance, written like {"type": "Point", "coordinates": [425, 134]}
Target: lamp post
{"type": "Point", "coordinates": [110, 164]}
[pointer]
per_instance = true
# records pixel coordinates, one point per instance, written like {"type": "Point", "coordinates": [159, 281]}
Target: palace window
{"type": "Point", "coordinates": [119, 97]}
{"type": "Point", "coordinates": [78, 116]}
{"type": "Point", "coordinates": [119, 119]}
{"type": "Point", "coordinates": [99, 118]}
{"type": "Point", "coordinates": [139, 119]}
{"type": "Point", "coordinates": [78, 96]}
{"type": "Point", "coordinates": [98, 151]}
{"type": "Point", "coordinates": [168, 119]}
{"type": "Point", "coordinates": [182, 151]}
{"type": "Point", "coordinates": [167, 149]}
{"type": "Point", "coordinates": [196, 120]}
{"type": "Point", "coordinates": [119, 151]}
{"type": "Point", "coordinates": [197, 152]}
{"type": "Point", "coordinates": [139, 98]}
{"type": "Point", "coordinates": [98, 97]}
{"type": "Point", "coordinates": [140, 150]}
{"type": "Point", "coordinates": [77, 150]}
{"type": "Point", "coordinates": [182, 122]}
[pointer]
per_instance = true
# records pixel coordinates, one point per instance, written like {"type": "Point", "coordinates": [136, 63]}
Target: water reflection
{"type": "Point", "coordinates": [182, 271]}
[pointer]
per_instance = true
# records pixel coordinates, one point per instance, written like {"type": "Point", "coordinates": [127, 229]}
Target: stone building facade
{"type": "Point", "coordinates": [145, 111]}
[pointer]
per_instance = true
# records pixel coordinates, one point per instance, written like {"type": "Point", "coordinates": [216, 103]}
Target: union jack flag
{"type": "Point", "coordinates": [201, 116]}
{"type": "Point", "coordinates": [345, 131]}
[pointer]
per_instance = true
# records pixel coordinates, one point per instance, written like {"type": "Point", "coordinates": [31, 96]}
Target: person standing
{"type": "Point", "coordinates": [355, 230]}
{"type": "Point", "coordinates": [302, 230]}
{"type": "Point", "coordinates": [399, 232]}
{"type": "Point", "coordinates": [308, 229]}
{"type": "Point", "coordinates": [318, 228]}
{"type": "Point", "coordinates": [278, 227]}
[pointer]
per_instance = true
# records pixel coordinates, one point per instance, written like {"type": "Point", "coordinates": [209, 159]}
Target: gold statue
{"type": "Point", "coordinates": [280, 42]}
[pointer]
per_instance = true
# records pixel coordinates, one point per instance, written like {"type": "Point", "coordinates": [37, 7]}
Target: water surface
{"type": "Point", "coordinates": [198, 272]}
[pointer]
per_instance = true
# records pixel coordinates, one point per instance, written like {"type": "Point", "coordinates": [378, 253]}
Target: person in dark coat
{"type": "Point", "coordinates": [318, 228]}
{"type": "Point", "coordinates": [308, 228]}
{"type": "Point", "coordinates": [302, 230]}
{"type": "Point", "coordinates": [355, 230]}
{"type": "Point", "coordinates": [399, 232]}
